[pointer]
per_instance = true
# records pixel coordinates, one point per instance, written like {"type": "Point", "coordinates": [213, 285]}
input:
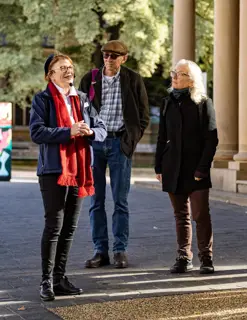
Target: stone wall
{"type": "Point", "coordinates": [25, 149]}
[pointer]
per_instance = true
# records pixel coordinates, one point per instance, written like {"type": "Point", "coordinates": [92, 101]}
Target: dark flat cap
{"type": "Point", "coordinates": [47, 62]}
{"type": "Point", "coordinates": [115, 46]}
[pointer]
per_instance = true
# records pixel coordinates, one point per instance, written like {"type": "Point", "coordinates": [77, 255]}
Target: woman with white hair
{"type": "Point", "coordinates": [186, 145]}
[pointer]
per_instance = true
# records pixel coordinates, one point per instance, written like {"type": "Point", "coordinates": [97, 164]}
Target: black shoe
{"type": "Point", "coordinates": [63, 287]}
{"type": "Point", "coordinates": [98, 260]}
{"type": "Point", "coordinates": [206, 265]}
{"type": "Point", "coordinates": [120, 260]}
{"type": "Point", "coordinates": [46, 290]}
{"type": "Point", "coordinates": [182, 265]}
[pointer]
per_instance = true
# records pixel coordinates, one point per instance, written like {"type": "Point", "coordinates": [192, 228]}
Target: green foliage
{"type": "Point", "coordinates": [79, 28]}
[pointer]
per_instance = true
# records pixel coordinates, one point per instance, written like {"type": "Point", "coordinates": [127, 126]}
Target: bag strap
{"type": "Point", "coordinates": [165, 102]}
{"type": "Point", "coordinates": [91, 89]}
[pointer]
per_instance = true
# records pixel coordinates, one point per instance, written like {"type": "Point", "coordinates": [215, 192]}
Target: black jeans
{"type": "Point", "coordinates": [62, 210]}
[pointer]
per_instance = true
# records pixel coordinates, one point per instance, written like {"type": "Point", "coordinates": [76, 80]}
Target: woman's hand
{"type": "Point", "coordinates": [76, 128]}
{"type": "Point", "coordinates": [81, 128]}
{"type": "Point", "coordinates": [85, 130]}
{"type": "Point", "coordinates": [159, 177]}
{"type": "Point", "coordinates": [197, 179]}
{"type": "Point", "coordinates": [198, 176]}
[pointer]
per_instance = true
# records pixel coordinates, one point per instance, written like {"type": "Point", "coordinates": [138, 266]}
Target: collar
{"type": "Point", "coordinates": [116, 76]}
{"type": "Point", "coordinates": [178, 93]}
{"type": "Point", "coordinates": [72, 90]}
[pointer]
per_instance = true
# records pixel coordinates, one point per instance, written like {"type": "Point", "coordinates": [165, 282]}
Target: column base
{"type": "Point", "coordinates": [241, 156]}
{"type": "Point", "coordinates": [224, 155]}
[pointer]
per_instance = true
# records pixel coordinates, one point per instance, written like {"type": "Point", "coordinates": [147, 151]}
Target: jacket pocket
{"type": "Point", "coordinates": [127, 145]}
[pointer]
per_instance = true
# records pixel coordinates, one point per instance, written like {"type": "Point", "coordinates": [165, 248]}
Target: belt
{"type": "Point", "coordinates": [112, 134]}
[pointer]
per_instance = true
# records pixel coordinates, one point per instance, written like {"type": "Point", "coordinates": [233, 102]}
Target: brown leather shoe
{"type": "Point", "coordinates": [98, 260]}
{"type": "Point", "coordinates": [120, 260]}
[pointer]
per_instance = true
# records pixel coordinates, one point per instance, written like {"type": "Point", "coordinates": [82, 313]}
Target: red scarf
{"type": "Point", "coordinates": [75, 155]}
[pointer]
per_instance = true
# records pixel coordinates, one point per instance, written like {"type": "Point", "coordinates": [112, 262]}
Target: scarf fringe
{"type": "Point", "coordinates": [71, 181]}
{"type": "Point", "coordinates": [64, 180]}
{"type": "Point", "coordinates": [86, 192]}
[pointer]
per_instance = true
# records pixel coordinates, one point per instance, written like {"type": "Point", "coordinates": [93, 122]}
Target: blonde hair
{"type": "Point", "coordinates": [58, 56]}
{"type": "Point", "coordinates": [198, 91]}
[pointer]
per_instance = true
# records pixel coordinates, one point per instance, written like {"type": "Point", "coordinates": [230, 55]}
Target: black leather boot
{"type": "Point", "coordinates": [46, 290]}
{"type": "Point", "coordinates": [182, 265]}
{"type": "Point", "coordinates": [206, 265]}
{"type": "Point", "coordinates": [62, 286]}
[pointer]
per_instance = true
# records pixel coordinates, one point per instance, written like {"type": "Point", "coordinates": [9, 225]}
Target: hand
{"type": "Point", "coordinates": [75, 129]}
{"type": "Point", "coordinates": [159, 177]}
{"type": "Point", "coordinates": [198, 175]}
{"type": "Point", "coordinates": [197, 179]}
{"type": "Point", "coordinates": [85, 130]}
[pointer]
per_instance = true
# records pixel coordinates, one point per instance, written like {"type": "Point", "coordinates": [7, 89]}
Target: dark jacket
{"type": "Point", "coordinates": [135, 105]}
{"type": "Point", "coordinates": [186, 144]}
{"type": "Point", "coordinates": [45, 132]}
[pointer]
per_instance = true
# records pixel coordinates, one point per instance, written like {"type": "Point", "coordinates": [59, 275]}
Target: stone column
{"type": "Point", "coordinates": [242, 114]}
{"type": "Point", "coordinates": [226, 44]}
{"type": "Point", "coordinates": [183, 30]}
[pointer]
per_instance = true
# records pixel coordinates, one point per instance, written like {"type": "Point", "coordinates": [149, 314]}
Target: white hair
{"type": "Point", "coordinates": [198, 91]}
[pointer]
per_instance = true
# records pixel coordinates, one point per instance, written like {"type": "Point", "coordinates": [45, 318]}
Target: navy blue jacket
{"type": "Point", "coordinates": [45, 132]}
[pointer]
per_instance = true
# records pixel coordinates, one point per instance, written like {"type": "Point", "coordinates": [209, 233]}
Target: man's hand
{"type": "Point", "coordinates": [159, 177]}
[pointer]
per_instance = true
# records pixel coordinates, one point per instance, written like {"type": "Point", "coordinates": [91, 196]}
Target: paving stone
{"type": "Point", "coordinates": [152, 250]}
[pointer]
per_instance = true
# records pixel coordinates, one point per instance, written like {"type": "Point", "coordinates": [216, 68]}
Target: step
{"type": "Point", "coordinates": [242, 186]}
{"type": "Point", "coordinates": [241, 175]}
{"type": "Point", "coordinates": [220, 164]}
{"type": "Point", "coordinates": [237, 165]}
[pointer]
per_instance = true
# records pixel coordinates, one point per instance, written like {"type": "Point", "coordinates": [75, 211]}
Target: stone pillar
{"type": "Point", "coordinates": [226, 44]}
{"type": "Point", "coordinates": [242, 114]}
{"type": "Point", "coordinates": [183, 30]}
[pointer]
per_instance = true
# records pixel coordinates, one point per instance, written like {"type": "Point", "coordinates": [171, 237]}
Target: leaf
{"type": "Point", "coordinates": [21, 308]}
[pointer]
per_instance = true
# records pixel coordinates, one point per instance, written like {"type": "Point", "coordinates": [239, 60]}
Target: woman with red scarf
{"type": "Point", "coordinates": [63, 123]}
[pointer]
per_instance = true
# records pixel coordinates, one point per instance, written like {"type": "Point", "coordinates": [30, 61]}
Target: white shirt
{"type": "Point", "coordinates": [72, 92]}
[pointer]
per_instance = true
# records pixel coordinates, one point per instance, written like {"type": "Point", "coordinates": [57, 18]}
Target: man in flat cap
{"type": "Point", "coordinates": [119, 95]}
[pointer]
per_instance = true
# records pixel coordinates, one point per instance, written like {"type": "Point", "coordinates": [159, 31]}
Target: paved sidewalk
{"type": "Point", "coordinates": [141, 175]}
{"type": "Point", "coordinates": [152, 250]}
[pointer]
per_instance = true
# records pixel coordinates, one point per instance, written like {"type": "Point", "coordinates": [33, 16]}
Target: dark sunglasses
{"type": "Point", "coordinates": [113, 56]}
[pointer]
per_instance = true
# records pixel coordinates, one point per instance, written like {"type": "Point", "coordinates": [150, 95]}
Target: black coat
{"type": "Point", "coordinates": [186, 145]}
{"type": "Point", "coordinates": [134, 101]}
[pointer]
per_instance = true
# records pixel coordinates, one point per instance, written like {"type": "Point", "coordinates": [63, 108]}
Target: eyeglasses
{"type": "Point", "coordinates": [65, 68]}
{"type": "Point", "coordinates": [175, 74]}
{"type": "Point", "coordinates": [113, 56]}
